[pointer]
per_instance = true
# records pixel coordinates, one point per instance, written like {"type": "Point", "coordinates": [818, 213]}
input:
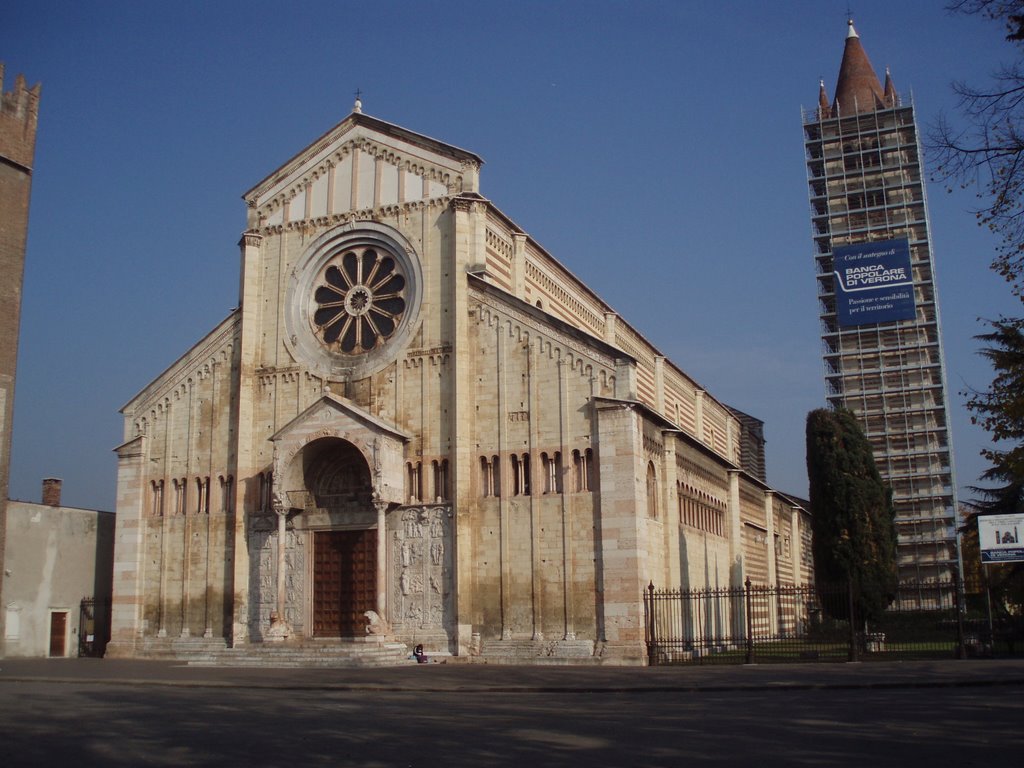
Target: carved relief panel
{"type": "Point", "coordinates": [263, 575]}
{"type": "Point", "coordinates": [421, 568]}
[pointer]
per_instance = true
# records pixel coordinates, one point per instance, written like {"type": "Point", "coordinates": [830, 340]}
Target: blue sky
{"type": "Point", "coordinates": [655, 148]}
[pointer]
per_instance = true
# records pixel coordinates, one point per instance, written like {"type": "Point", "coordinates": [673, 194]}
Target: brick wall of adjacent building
{"type": "Point", "coordinates": [19, 109]}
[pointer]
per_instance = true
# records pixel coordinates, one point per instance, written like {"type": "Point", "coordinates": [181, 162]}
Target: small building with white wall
{"type": "Point", "coordinates": [55, 558]}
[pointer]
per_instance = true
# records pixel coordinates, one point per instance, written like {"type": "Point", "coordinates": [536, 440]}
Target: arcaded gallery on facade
{"type": "Point", "coordinates": [418, 427]}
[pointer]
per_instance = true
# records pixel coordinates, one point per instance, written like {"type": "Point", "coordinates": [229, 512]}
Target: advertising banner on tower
{"type": "Point", "coordinates": [874, 282]}
{"type": "Point", "coordinates": [999, 538]}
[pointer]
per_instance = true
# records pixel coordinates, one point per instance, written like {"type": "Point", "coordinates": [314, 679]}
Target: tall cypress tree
{"type": "Point", "coordinates": [851, 515]}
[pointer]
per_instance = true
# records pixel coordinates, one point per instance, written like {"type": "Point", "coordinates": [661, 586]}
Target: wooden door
{"type": "Point", "coordinates": [344, 582]}
{"type": "Point", "coordinates": [58, 633]}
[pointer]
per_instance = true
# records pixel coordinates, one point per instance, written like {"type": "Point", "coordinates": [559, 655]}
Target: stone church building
{"type": "Point", "coordinates": [419, 427]}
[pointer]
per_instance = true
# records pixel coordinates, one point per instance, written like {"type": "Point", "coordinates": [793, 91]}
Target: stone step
{"type": "Point", "coordinates": [215, 652]}
{"type": "Point", "coordinates": [305, 655]}
{"type": "Point", "coordinates": [518, 651]}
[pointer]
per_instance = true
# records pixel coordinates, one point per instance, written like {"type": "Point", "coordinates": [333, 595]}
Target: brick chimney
{"type": "Point", "coordinates": [51, 491]}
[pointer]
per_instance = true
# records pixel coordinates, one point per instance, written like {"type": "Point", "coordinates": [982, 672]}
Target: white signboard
{"type": "Point", "coordinates": [1000, 538]}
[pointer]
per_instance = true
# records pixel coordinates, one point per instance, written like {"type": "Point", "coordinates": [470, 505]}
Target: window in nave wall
{"type": "Point", "coordinates": [227, 489]}
{"type": "Point", "coordinates": [552, 466]}
{"type": "Point", "coordinates": [490, 476]}
{"type": "Point", "coordinates": [582, 469]}
{"type": "Point", "coordinates": [265, 502]}
{"type": "Point", "coordinates": [440, 468]}
{"type": "Point", "coordinates": [202, 495]}
{"type": "Point", "coordinates": [520, 474]}
{"type": "Point", "coordinates": [180, 495]}
{"type": "Point", "coordinates": [551, 478]}
{"type": "Point", "coordinates": [157, 498]}
{"type": "Point", "coordinates": [414, 481]}
{"type": "Point", "coordinates": [701, 511]}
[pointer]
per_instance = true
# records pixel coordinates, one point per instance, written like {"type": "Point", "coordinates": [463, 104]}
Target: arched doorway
{"type": "Point", "coordinates": [343, 536]}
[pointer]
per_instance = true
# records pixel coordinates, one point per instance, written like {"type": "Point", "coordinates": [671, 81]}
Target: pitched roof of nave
{"type": "Point", "coordinates": [361, 126]}
{"type": "Point", "coordinates": [858, 88]}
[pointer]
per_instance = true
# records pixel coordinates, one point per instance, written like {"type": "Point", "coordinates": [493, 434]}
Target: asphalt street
{"type": "Point", "coordinates": [125, 713]}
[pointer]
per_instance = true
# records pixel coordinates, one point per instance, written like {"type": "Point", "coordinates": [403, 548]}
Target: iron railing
{"type": "Point", "coordinates": [756, 623]}
{"type": "Point", "coordinates": [93, 626]}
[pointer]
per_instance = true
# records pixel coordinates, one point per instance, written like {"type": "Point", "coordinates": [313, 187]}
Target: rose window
{"type": "Point", "coordinates": [360, 299]}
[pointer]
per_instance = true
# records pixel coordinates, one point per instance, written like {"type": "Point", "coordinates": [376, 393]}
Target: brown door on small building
{"type": "Point", "coordinates": [58, 633]}
{"type": "Point", "coordinates": [344, 582]}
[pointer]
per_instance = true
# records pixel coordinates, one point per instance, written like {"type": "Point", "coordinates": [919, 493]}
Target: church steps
{"type": "Point", "coordinates": [212, 653]}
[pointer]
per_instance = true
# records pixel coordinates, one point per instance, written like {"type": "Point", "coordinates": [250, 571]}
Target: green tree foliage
{"type": "Point", "coordinates": [852, 514]}
{"type": "Point", "coordinates": [999, 410]}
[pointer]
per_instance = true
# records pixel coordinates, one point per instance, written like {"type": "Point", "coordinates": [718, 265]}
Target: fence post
{"type": "Point", "coordinates": [750, 624]}
{"type": "Point", "coordinates": [961, 647]}
{"type": "Point", "coordinates": [854, 651]}
{"type": "Point", "coordinates": [651, 656]}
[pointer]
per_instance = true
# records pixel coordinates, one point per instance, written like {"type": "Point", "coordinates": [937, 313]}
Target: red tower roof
{"type": "Point", "coordinates": [858, 88]}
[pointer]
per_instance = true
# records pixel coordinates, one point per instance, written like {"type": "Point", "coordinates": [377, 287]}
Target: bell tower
{"type": "Point", "coordinates": [19, 110]}
{"type": "Point", "coordinates": [878, 301]}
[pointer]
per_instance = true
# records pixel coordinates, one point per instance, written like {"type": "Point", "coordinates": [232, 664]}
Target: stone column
{"type": "Point", "coordinates": [772, 575]}
{"type": "Point", "coordinates": [382, 560]}
{"type": "Point", "coordinates": [129, 550]}
{"type": "Point", "coordinates": [796, 543]}
{"type": "Point", "coordinates": [698, 415]}
{"type": "Point", "coordinates": [245, 470]}
{"type": "Point", "coordinates": [280, 629]}
{"type": "Point", "coordinates": [565, 499]}
{"type": "Point", "coordinates": [737, 568]}
{"type": "Point", "coordinates": [519, 265]}
{"type": "Point", "coordinates": [659, 384]}
{"type": "Point", "coordinates": [736, 565]}
{"type": "Point", "coordinates": [466, 245]}
{"type": "Point", "coordinates": [670, 503]}
{"type": "Point", "coordinates": [623, 543]}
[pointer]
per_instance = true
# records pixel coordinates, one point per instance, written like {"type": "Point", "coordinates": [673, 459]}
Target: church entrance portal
{"type": "Point", "coordinates": [344, 582]}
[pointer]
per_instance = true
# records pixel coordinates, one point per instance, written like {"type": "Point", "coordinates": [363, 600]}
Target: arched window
{"type": "Point", "coordinates": [414, 481]}
{"type": "Point", "coordinates": [441, 480]}
{"type": "Point", "coordinates": [266, 500]}
{"type": "Point", "coordinates": [202, 495]}
{"type": "Point", "coordinates": [158, 498]}
{"type": "Point", "coordinates": [226, 493]}
{"type": "Point", "coordinates": [521, 474]}
{"type": "Point", "coordinates": [552, 465]}
{"type": "Point", "coordinates": [180, 492]}
{"type": "Point", "coordinates": [582, 462]}
{"type": "Point", "coordinates": [486, 477]}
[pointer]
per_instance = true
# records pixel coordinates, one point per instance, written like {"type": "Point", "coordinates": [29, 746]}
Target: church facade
{"type": "Point", "coordinates": [419, 426]}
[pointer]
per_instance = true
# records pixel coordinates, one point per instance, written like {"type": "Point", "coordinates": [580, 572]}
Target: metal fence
{"type": "Point", "coordinates": [755, 623]}
{"type": "Point", "coordinates": [93, 626]}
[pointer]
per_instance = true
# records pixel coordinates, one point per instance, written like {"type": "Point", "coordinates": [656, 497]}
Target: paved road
{"type": "Point", "coordinates": [121, 713]}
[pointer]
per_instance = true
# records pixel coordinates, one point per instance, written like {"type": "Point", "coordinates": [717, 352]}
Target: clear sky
{"type": "Point", "coordinates": [655, 148]}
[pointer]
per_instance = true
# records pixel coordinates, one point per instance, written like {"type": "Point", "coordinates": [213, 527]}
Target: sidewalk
{"type": "Point", "coordinates": [514, 679]}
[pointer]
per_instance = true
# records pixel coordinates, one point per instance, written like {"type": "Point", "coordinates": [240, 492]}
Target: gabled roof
{"type": "Point", "coordinates": [350, 124]}
{"type": "Point", "coordinates": [345, 408]}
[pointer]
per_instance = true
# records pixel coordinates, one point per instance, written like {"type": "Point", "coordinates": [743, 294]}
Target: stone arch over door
{"type": "Point", "coordinates": [337, 470]}
{"type": "Point", "coordinates": [340, 523]}
{"type": "Point", "coordinates": [335, 475]}
{"type": "Point", "coordinates": [380, 444]}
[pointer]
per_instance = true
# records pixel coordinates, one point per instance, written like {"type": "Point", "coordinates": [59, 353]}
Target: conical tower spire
{"type": "Point", "coordinates": [891, 98]}
{"type": "Point", "coordinates": [858, 88]}
{"type": "Point", "coordinates": [824, 110]}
